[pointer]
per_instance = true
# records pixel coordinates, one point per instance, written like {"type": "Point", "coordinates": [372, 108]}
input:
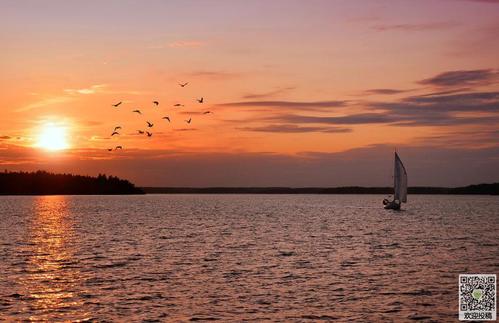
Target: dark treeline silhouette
{"type": "Point", "coordinates": [44, 183]}
{"type": "Point", "coordinates": [483, 189]}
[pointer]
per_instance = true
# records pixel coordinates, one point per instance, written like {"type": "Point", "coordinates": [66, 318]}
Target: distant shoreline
{"type": "Point", "coordinates": [45, 183]}
{"type": "Point", "coordinates": [480, 189]}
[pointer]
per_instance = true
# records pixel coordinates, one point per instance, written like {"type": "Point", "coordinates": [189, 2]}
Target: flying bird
{"type": "Point", "coordinates": [188, 121]}
{"type": "Point", "coordinates": [140, 132]}
{"type": "Point", "coordinates": [200, 100]}
{"type": "Point", "coordinates": [156, 102]}
{"type": "Point", "coordinates": [118, 147]}
{"type": "Point", "coordinates": [207, 112]}
{"type": "Point", "coordinates": [115, 133]}
{"type": "Point", "coordinates": [178, 105]}
{"type": "Point", "coordinates": [167, 118]}
{"type": "Point", "coordinates": [149, 134]}
{"type": "Point", "coordinates": [149, 124]}
{"type": "Point", "coordinates": [117, 128]}
{"type": "Point", "coordinates": [183, 84]}
{"type": "Point", "coordinates": [110, 149]}
{"type": "Point", "coordinates": [117, 104]}
{"type": "Point", "coordinates": [137, 111]}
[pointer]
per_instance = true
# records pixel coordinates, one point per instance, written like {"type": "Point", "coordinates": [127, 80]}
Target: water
{"type": "Point", "coordinates": [235, 257]}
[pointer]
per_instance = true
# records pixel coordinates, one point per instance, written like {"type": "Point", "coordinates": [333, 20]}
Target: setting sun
{"type": "Point", "coordinates": [53, 137]}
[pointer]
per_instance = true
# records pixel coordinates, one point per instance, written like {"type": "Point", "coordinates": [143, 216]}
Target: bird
{"type": "Point", "coordinates": [117, 128]}
{"type": "Point", "coordinates": [206, 112]}
{"type": "Point", "coordinates": [140, 132]}
{"type": "Point", "coordinates": [178, 105]}
{"type": "Point", "coordinates": [200, 100]}
{"type": "Point", "coordinates": [183, 84]}
{"type": "Point", "coordinates": [149, 134]}
{"type": "Point", "coordinates": [110, 149]}
{"type": "Point", "coordinates": [149, 124]}
{"type": "Point", "coordinates": [118, 147]}
{"type": "Point", "coordinates": [167, 118]}
{"type": "Point", "coordinates": [117, 104]}
{"type": "Point", "coordinates": [156, 103]}
{"type": "Point", "coordinates": [137, 111]}
{"type": "Point", "coordinates": [188, 121]}
{"type": "Point", "coordinates": [115, 133]}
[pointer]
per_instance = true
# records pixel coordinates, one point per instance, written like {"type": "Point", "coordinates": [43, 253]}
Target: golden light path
{"type": "Point", "coordinates": [53, 137]}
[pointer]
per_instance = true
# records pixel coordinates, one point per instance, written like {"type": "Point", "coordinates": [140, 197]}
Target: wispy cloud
{"type": "Point", "coordinates": [415, 27]}
{"type": "Point", "coordinates": [187, 44]}
{"type": "Point", "coordinates": [90, 90]}
{"type": "Point", "coordinates": [462, 78]}
{"type": "Point", "coordinates": [385, 91]}
{"type": "Point", "coordinates": [253, 96]}
{"type": "Point", "coordinates": [292, 128]}
{"type": "Point", "coordinates": [45, 102]}
{"type": "Point", "coordinates": [358, 118]}
{"type": "Point", "coordinates": [214, 75]}
{"type": "Point", "coordinates": [436, 110]}
{"type": "Point", "coordinates": [485, 1]}
{"type": "Point", "coordinates": [303, 105]}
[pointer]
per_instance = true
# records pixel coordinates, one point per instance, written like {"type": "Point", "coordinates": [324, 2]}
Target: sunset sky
{"type": "Point", "coordinates": [303, 93]}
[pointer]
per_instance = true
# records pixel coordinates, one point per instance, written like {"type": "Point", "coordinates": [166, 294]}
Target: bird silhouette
{"type": "Point", "coordinates": [140, 132]}
{"type": "Point", "coordinates": [207, 112]}
{"type": "Point", "coordinates": [188, 121]}
{"type": "Point", "coordinates": [150, 125]}
{"type": "Point", "coordinates": [183, 84]}
{"type": "Point", "coordinates": [149, 134]}
{"type": "Point", "coordinates": [137, 111]}
{"type": "Point", "coordinates": [110, 149]}
{"type": "Point", "coordinates": [200, 100]}
{"type": "Point", "coordinates": [167, 118]}
{"type": "Point", "coordinates": [117, 128]}
{"type": "Point", "coordinates": [117, 104]}
{"type": "Point", "coordinates": [178, 105]}
{"type": "Point", "coordinates": [115, 133]}
{"type": "Point", "coordinates": [155, 103]}
{"type": "Point", "coordinates": [118, 147]}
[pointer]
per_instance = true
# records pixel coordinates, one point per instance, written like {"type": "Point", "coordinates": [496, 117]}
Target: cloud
{"type": "Point", "coordinates": [45, 102]}
{"type": "Point", "coordinates": [385, 91]}
{"type": "Point", "coordinates": [485, 1]}
{"type": "Point", "coordinates": [436, 110]}
{"type": "Point", "coordinates": [292, 128]}
{"type": "Point", "coordinates": [90, 90]}
{"type": "Point", "coordinates": [185, 129]}
{"type": "Point", "coordinates": [360, 118]}
{"type": "Point", "coordinates": [214, 75]}
{"type": "Point", "coordinates": [306, 105]}
{"type": "Point", "coordinates": [253, 96]}
{"type": "Point", "coordinates": [415, 27]}
{"type": "Point", "coordinates": [186, 44]}
{"type": "Point", "coordinates": [5, 137]}
{"type": "Point", "coordinates": [462, 78]}
{"type": "Point", "coordinates": [191, 112]}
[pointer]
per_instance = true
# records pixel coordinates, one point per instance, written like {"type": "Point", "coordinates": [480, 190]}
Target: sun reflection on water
{"type": "Point", "coordinates": [53, 276]}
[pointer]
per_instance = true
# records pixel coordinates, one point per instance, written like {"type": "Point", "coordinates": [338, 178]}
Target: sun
{"type": "Point", "coordinates": [53, 137]}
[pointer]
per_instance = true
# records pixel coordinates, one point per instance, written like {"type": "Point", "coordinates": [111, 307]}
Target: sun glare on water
{"type": "Point", "coordinates": [53, 137]}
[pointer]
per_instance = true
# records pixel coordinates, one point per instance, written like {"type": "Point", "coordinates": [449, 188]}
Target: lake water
{"type": "Point", "coordinates": [241, 257]}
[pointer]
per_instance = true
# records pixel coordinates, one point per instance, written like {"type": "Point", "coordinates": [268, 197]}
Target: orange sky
{"type": "Point", "coordinates": [285, 79]}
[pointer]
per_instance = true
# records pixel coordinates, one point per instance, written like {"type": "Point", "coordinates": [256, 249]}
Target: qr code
{"type": "Point", "coordinates": [477, 297]}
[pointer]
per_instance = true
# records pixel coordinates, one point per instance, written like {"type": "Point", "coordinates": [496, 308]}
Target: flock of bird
{"type": "Point", "coordinates": [150, 125]}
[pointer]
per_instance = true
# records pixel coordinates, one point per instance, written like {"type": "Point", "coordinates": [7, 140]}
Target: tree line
{"type": "Point", "coordinates": [45, 183]}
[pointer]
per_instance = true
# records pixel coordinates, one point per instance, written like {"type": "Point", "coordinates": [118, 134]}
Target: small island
{"type": "Point", "coordinates": [45, 183]}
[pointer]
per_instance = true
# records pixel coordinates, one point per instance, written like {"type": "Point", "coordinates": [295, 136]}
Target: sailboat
{"type": "Point", "coordinates": [399, 186]}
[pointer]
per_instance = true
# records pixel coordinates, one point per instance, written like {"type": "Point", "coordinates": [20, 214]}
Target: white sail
{"type": "Point", "coordinates": [400, 180]}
